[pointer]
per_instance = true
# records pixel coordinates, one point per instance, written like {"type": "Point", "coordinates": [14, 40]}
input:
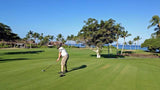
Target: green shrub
{"type": "Point", "coordinates": [44, 46]}
{"type": "Point", "coordinates": [151, 44]}
{"type": "Point", "coordinates": [2, 45]}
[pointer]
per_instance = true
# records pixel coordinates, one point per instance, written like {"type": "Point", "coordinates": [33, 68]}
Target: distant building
{"type": "Point", "coordinates": [20, 45]}
{"type": "Point", "coordinates": [51, 43]}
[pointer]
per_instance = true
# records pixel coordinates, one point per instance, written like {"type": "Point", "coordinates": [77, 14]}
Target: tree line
{"type": "Point", "coordinates": [93, 33]}
{"type": "Point", "coordinates": [32, 39]}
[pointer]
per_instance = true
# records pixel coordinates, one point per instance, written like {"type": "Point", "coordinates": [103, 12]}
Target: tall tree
{"type": "Point", "coordinates": [68, 38]}
{"type": "Point", "coordinates": [72, 37]}
{"type": "Point", "coordinates": [118, 29]}
{"type": "Point", "coordinates": [6, 33]}
{"type": "Point", "coordinates": [51, 37]}
{"type": "Point", "coordinates": [41, 38]}
{"type": "Point", "coordinates": [29, 36]}
{"type": "Point", "coordinates": [155, 21]}
{"type": "Point", "coordinates": [135, 40]}
{"type": "Point", "coordinates": [138, 38]}
{"type": "Point", "coordinates": [46, 39]}
{"type": "Point", "coordinates": [59, 37]}
{"type": "Point", "coordinates": [124, 34]}
{"type": "Point", "coordinates": [97, 34]}
{"type": "Point", "coordinates": [35, 36]}
{"type": "Point", "coordinates": [130, 43]}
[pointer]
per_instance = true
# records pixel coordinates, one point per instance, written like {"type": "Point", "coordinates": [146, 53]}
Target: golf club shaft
{"type": "Point", "coordinates": [48, 67]}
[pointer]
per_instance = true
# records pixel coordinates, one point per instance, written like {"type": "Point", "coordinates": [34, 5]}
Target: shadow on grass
{"type": "Point", "coordinates": [15, 59]}
{"type": "Point", "coordinates": [25, 52]}
{"type": "Point", "coordinates": [77, 68]}
{"type": "Point", "coordinates": [109, 56]}
{"type": "Point", "coordinates": [126, 52]}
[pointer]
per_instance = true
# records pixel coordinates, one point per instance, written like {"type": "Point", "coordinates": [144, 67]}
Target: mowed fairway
{"type": "Point", "coordinates": [20, 69]}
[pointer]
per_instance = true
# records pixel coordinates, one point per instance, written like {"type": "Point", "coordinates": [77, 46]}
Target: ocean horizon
{"type": "Point", "coordinates": [128, 47]}
{"type": "Point", "coordinates": [132, 47]}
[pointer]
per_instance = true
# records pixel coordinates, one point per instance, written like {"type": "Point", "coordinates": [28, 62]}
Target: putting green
{"type": "Point", "coordinates": [21, 69]}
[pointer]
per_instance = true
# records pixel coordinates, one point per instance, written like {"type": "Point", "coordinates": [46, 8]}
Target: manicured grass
{"type": "Point", "coordinates": [20, 69]}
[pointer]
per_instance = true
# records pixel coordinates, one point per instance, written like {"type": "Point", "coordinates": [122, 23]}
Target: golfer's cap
{"type": "Point", "coordinates": [58, 46]}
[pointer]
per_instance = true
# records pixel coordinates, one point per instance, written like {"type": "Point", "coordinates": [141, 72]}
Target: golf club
{"type": "Point", "coordinates": [46, 68]}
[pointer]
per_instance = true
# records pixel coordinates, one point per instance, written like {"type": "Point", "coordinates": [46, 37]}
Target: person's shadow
{"type": "Point", "coordinates": [77, 68]}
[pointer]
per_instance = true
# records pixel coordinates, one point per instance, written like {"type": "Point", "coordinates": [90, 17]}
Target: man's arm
{"type": "Point", "coordinates": [59, 56]}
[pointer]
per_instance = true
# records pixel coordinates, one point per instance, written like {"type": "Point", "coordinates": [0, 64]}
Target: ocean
{"type": "Point", "coordinates": [132, 47]}
{"type": "Point", "coordinates": [128, 47]}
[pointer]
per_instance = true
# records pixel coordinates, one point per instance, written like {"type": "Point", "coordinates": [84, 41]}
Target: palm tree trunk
{"type": "Point", "coordinates": [108, 50]}
{"type": "Point", "coordinates": [138, 43]}
{"type": "Point", "coordinates": [98, 53]}
{"type": "Point", "coordinates": [123, 46]}
{"type": "Point", "coordinates": [130, 47]}
{"type": "Point", "coordinates": [117, 47]}
{"type": "Point", "coordinates": [30, 44]}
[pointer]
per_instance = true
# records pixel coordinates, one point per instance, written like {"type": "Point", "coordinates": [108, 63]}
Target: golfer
{"type": "Point", "coordinates": [65, 56]}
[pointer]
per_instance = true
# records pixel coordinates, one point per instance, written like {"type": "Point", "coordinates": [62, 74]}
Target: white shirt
{"type": "Point", "coordinates": [63, 51]}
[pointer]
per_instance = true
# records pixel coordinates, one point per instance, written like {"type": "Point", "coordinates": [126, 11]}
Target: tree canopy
{"type": "Point", "coordinates": [6, 33]}
{"type": "Point", "coordinates": [98, 34]}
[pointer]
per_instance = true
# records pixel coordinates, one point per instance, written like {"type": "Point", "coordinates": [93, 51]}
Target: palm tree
{"type": "Point", "coordinates": [135, 39]}
{"type": "Point", "coordinates": [155, 21]}
{"type": "Point", "coordinates": [52, 37]}
{"type": "Point", "coordinates": [46, 39]}
{"type": "Point", "coordinates": [68, 38]}
{"type": "Point", "coordinates": [29, 36]}
{"type": "Point", "coordinates": [41, 38]}
{"type": "Point", "coordinates": [138, 38]}
{"type": "Point", "coordinates": [59, 37]}
{"type": "Point", "coordinates": [125, 44]}
{"type": "Point", "coordinates": [118, 29]}
{"type": "Point", "coordinates": [124, 34]}
{"type": "Point", "coordinates": [130, 43]}
{"type": "Point", "coordinates": [35, 35]}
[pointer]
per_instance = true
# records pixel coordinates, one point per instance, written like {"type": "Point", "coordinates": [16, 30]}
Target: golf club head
{"type": "Point", "coordinates": [43, 70]}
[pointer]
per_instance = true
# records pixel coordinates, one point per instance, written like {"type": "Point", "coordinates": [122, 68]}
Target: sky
{"type": "Point", "coordinates": [67, 17]}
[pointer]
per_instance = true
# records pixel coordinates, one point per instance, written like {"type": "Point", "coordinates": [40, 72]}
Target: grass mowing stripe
{"type": "Point", "coordinates": [105, 79]}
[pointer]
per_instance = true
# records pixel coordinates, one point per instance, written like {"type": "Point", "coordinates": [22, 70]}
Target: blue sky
{"type": "Point", "coordinates": [66, 16]}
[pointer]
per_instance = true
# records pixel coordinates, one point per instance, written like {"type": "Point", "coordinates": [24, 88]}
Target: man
{"type": "Point", "coordinates": [65, 56]}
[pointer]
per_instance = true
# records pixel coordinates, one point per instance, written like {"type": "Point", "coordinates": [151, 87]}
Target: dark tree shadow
{"type": "Point", "coordinates": [126, 52]}
{"type": "Point", "coordinates": [15, 59]}
{"type": "Point", "coordinates": [109, 56]}
{"type": "Point", "coordinates": [77, 68]}
{"type": "Point", "coordinates": [25, 52]}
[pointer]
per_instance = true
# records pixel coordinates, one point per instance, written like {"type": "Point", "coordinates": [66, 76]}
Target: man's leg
{"type": "Point", "coordinates": [62, 68]}
{"type": "Point", "coordinates": [66, 68]}
{"type": "Point", "coordinates": [67, 57]}
{"type": "Point", "coordinates": [63, 63]}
